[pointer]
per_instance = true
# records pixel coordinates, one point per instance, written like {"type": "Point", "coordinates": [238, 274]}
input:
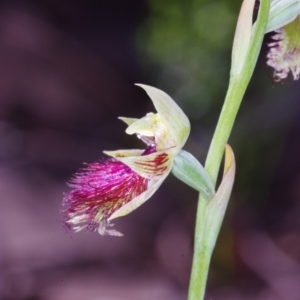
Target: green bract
{"type": "Point", "coordinates": [242, 37]}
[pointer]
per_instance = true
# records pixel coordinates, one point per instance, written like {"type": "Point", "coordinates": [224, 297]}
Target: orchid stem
{"type": "Point", "coordinates": [203, 246]}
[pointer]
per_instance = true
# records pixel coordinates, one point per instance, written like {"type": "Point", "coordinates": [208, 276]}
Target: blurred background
{"type": "Point", "coordinates": [67, 72]}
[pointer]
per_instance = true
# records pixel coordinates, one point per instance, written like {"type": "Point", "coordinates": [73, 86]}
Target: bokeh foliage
{"type": "Point", "coordinates": [188, 43]}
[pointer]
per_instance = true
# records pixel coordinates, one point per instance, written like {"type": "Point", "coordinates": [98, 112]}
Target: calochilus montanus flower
{"type": "Point", "coordinates": [111, 188]}
{"type": "Point", "coordinates": [284, 53]}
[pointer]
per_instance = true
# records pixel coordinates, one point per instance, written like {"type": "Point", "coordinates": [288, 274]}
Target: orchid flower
{"type": "Point", "coordinates": [112, 188]}
{"type": "Point", "coordinates": [284, 53]}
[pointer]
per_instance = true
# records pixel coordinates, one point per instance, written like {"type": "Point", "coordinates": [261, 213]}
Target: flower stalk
{"type": "Point", "coordinates": [239, 80]}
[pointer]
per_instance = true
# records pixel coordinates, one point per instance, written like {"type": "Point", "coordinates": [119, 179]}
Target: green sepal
{"type": "Point", "coordinates": [189, 170]}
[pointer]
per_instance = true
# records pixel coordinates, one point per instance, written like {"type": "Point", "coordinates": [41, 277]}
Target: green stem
{"type": "Point", "coordinates": [203, 248]}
